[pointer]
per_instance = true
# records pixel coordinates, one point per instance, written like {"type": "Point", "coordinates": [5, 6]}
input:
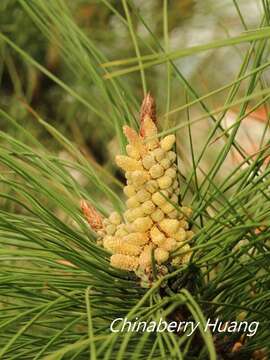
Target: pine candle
{"type": "Point", "coordinates": [152, 225]}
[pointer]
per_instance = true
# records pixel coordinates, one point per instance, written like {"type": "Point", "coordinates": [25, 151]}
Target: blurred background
{"type": "Point", "coordinates": [62, 108]}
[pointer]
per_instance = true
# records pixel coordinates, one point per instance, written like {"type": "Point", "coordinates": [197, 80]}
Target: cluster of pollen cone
{"type": "Point", "coordinates": [154, 226]}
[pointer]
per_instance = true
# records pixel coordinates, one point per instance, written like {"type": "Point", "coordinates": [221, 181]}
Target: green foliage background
{"type": "Point", "coordinates": [72, 74]}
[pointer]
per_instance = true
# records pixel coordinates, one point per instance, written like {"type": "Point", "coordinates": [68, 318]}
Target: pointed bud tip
{"type": "Point", "coordinates": [92, 216]}
{"type": "Point", "coordinates": [148, 108]}
{"type": "Point", "coordinates": [83, 204]}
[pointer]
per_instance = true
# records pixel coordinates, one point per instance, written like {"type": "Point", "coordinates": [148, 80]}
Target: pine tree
{"type": "Point", "coordinates": [72, 109]}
